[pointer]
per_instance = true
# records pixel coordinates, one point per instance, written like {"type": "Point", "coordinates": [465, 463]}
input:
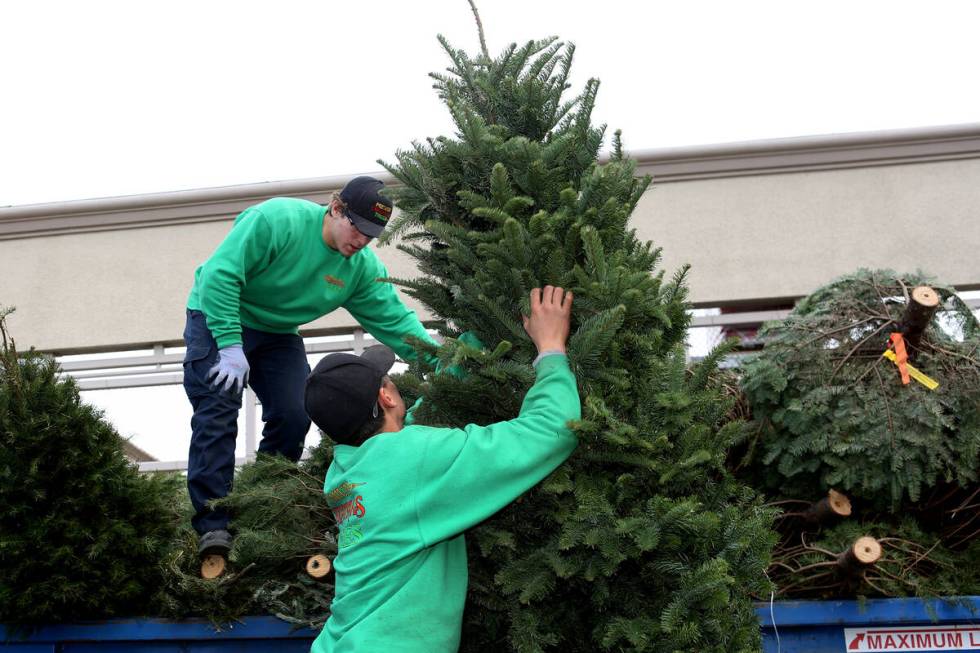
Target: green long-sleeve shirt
{"type": "Point", "coordinates": [402, 501]}
{"type": "Point", "coordinates": [273, 272]}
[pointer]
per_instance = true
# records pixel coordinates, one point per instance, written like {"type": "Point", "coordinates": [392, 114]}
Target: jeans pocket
{"type": "Point", "coordinates": [197, 338]}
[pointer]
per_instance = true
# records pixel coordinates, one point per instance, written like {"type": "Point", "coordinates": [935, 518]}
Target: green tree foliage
{"type": "Point", "coordinates": [913, 563]}
{"type": "Point", "coordinates": [642, 541]}
{"type": "Point", "coordinates": [81, 530]}
{"type": "Point", "coordinates": [830, 411]}
{"type": "Point", "coordinates": [280, 518]}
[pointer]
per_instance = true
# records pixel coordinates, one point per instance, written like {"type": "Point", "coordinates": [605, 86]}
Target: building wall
{"type": "Point", "coordinates": [755, 239]}
{"type": "Point", "coordinates": [103, 290]}
{"type": "Point", "coordinates": [758, 222]}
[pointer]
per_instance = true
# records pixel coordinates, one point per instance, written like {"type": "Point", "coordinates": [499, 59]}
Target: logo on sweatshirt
{"type": "Point", "coordinates": [348, 510]}
{"type": "Point", "coordinates": [340, 493]}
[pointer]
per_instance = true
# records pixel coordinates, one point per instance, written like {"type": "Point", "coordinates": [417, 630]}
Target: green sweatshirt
{"type": "Point", "coordinates": [273, 272]}
{"type": "Point", "coordinates": [402, 501]}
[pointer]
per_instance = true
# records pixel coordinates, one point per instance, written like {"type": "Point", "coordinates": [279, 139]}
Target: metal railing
{"type": "Point", "coordinates": [161, 368]}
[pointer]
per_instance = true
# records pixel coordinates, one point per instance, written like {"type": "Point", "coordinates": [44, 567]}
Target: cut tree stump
{"type": "Point", "coordinates": [859, 556]}
{"type": "Point", "coordinates": [212, 566]}
{"type": "Point", "coordinates": [921, 307]}
{"type": "Point", "coordinates": [835, 505]}
{"type": "Point", "coordinates": [318, 566]}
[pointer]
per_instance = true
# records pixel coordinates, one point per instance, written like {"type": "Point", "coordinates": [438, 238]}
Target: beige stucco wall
{"type": "Point", "coordinates": [105, 289]}
{"type": "Point", "coordinates": [758, 237]}
{"type": "Point", "coordinates": [748, 238]}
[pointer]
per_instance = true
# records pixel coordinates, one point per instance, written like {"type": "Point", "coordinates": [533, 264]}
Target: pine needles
{"type": "Point", "coordinates": [81, 531]}
{"type": "Point", "coordinates": [830, 412]}
{"type": "Point", "coordinates": [645, 508]}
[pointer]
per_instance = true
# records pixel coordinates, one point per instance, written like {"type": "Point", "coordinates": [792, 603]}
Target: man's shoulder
{"type": "Point", "coordinates": [286, 206]}
{"type": "Point", "coordinates": [423, 431]}
{"type": "Point", "coordinates": [367, 256]}
{"type": "Point", "coordinates": [409, 438]}
{"type": "Point", "coordinates": [411, 431]}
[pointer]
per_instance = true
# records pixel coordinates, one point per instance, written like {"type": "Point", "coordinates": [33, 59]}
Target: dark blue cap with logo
{"type": "Point", "coordinates": [366, 207]}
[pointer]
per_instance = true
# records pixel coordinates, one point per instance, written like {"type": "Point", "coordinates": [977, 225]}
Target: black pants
{"type": "Point", "coordinates": [278, 371]}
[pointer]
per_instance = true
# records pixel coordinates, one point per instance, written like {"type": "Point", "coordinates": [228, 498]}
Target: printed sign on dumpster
{"type": "Point", "coordinates": [913, 638]}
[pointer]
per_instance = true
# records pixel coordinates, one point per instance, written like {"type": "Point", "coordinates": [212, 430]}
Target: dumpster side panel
{"type": "Point", "coordinates": [232, 646]}
{"type": "Point", "coordinates": [800, 640]}
{"type": "Point", "coordinates": [251, 635]}
{"type": "Point", "coordinates": [819, 626]}
{"type": "Point", "coordinates": [787, 627]}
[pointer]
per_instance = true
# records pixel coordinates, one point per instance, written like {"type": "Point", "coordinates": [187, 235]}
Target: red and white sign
{"type": "Point", "coordinates": [913, 638]}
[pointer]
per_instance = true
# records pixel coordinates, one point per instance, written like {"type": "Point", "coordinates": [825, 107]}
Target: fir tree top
{"type": "Point", "coordinates": [516, 199]}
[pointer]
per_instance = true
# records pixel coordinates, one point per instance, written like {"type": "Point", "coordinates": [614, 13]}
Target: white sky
{"type": "Point", "coordinates": [111, 98]}
{"type": "Point", "coordinates": [103, 98]}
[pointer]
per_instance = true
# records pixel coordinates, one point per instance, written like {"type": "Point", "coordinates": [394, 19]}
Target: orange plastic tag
{"type": "Point", "coordinates": [930, 383]}
{"type": "Point", "coordinates": [901, 356]}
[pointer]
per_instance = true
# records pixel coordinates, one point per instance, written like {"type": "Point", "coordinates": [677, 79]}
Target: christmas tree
{"type": "Point", "coordinates": [642, 541]}
{"type": "Point", "coordinates": [81, 531]}
{"type": "Point", "coordinates": [868, 395]}
{"type": "Point", "coordinates": [830, 410]}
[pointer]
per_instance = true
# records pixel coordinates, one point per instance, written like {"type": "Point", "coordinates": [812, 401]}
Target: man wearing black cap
{"type": "Point", "coordinates": [285, 262]}
{"type": "Point", "coordinates": [403, 494]}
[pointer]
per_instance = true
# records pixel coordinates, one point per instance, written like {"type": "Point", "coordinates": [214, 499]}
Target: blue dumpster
{"type": "Point", "coordinates": [787, 627]}
{"type": "Point", "coordinates": [251, 635]}
{"type": "Point", "coordinates": [874, 625]}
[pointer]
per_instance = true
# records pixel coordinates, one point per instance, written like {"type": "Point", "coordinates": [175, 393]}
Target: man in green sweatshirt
{"type": "Point", "coordinates": [403, 494]}
{"type": "Point", "coordinates": [285, 262]}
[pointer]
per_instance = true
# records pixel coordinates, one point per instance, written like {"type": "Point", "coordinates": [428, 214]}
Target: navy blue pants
{"type": "Point", "coordinates": [277, 374]}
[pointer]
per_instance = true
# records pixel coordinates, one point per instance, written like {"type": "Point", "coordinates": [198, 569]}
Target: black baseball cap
{"type": "Point", "coordinates": [366, 207]}
{"type": "Point", "coordinates": [341, 392]}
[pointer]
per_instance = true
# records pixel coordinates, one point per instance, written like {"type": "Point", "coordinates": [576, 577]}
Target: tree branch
{"type": "Point", "coordinates": [479, 28]}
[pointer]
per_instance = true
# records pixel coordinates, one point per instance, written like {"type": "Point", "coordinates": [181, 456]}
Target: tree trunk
{"type": "Point", "coordinates": [318, 566]}
{"type": "Point", "coordinates": [833, 506]}
{"type": "Point", "coordinates": [213, 566]}
{"type": "Point", "coordinates": [921, 307]}
{"type": "Point", "coordinates": [859, 556]}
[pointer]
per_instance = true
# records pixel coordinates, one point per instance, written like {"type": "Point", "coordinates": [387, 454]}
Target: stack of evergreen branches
{"type": "Point", "coordinates": [281, 519]}
{"type": "Point", "coordinates": [830, 412]}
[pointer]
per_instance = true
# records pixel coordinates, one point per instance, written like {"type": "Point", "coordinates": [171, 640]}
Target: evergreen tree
{"type": "Point", "coordinates": [641, 541]}
{"type": "Point", "coordinates": [830, 411]}
{"type": "Point", "coordinates": [81, 530]}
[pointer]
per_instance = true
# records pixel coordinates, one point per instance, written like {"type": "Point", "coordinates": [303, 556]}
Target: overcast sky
{"type": "Point", "coordinates": [114, 98]}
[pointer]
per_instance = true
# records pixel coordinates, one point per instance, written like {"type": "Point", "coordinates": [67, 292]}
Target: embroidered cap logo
{"type": "Point", "coordinates": [381, 212]}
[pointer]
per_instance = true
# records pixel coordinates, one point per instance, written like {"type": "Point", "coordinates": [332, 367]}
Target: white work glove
{"type": "Point", "coordinates": [232, 369]}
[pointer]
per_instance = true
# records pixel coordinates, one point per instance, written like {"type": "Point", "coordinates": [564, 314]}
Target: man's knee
{"type": "Point", "coordinates": [298, 418]}
{"type": "Point", "coordinates": [296, 423]}
{"type": "Point", "coordinates": [285, 433]}
{"type": "Point", "coordinates": [215, 413]}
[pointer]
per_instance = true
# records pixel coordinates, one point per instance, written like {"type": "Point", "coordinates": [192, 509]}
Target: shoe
{"type": "Point", "coordinates": [214, 542]}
